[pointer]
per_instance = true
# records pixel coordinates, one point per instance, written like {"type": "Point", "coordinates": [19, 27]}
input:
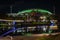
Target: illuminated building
{"type": "Point", "coordinates": [31, 21]}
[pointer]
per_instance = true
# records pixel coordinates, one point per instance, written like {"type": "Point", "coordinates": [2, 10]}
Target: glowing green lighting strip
{"type": "Point", "coordinates": [39, 10]}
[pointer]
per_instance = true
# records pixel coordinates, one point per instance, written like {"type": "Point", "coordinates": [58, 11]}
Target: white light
{"type": "Point", "coordinates": [43, 17]}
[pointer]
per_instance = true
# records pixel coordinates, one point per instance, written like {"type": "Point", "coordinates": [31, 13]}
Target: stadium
{"type": "Point", "coordinates": [28, 22]}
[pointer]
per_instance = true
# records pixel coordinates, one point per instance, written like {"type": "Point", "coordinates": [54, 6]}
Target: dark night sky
{"type": "Point", "coordinates": [27, 4]}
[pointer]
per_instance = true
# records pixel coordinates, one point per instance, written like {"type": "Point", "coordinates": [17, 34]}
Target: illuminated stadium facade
{"type": "Point", "coordinates": [33, 21]}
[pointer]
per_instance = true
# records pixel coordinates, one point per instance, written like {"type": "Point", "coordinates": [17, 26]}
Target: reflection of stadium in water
{"type": "Point", "coordinates": [30, 21]}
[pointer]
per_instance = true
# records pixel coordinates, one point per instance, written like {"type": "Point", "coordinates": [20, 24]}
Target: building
{"type": "Point", "coordinates": [33, 21]}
